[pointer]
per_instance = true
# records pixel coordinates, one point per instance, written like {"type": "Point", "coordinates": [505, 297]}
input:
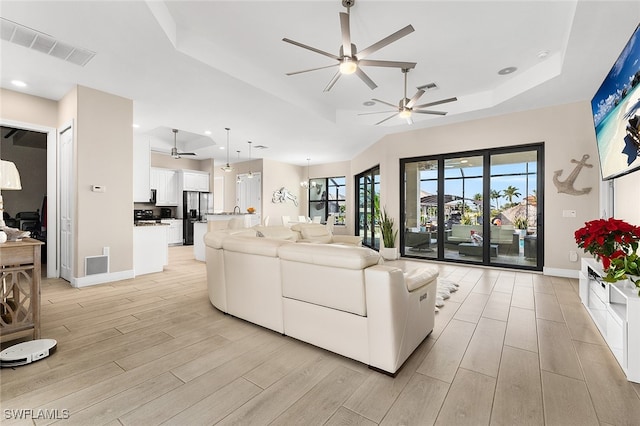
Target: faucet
{"type": "Point", "coordinates": [234, 209]}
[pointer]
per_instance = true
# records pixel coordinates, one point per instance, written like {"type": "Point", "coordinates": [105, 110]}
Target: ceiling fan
{"type": "Point", "coordinates": [174, 151]}
{"type": "Point", "coordinates": [406, 106]}
{"type": "Point", "coordinates": [349, 60]}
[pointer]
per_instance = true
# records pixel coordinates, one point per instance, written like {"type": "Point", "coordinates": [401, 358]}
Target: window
{"type": "Point", "coordinates": [481, 207]}
{"type": "Point", "coordinates": [327, 196]}
{"type": "Point", "coordinates": [368, 202]}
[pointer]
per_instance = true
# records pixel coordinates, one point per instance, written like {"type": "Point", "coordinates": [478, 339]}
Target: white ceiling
{"type": "Point", "coordinates": [207, 65]}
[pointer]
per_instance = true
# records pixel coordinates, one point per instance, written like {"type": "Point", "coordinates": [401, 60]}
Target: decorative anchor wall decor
{"type": "Point", "coordinates": [282, 195]}
{"type": "Point", "coordinates": [566, 186]}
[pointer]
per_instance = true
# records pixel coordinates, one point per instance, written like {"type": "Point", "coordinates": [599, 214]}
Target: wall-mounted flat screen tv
{"type": "Point", "coordinates": [616, 113]}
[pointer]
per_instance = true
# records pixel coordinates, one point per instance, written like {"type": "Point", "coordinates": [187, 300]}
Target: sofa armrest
{"type": "Point", "coordinates": [347, 239]}
{"type": "Point", "coordinates": [398, 320]}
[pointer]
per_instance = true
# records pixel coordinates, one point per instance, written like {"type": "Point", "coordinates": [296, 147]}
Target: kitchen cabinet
{"type": "Point", "coordinates": [150, 249]}
{"type": "Point", "coordinates": [141, 171]}
{"type": "Point", "coordinates": [174, 233]}
{"type": "Point", "coordinates": [165, 182]}
{"type": "Point", "coordinates": [195, 181]}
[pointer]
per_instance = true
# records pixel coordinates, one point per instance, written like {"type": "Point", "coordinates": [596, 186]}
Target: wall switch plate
{"type": "Point", "coordinates": [568, 213]}
{"type": "Point", "coordinates": [573, 256]}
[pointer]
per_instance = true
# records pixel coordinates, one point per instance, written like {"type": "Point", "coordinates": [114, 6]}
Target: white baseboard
{"type": "Point", "coordinates": [102, 278]}
{"type": "Point", "coordinates": [564, 273]}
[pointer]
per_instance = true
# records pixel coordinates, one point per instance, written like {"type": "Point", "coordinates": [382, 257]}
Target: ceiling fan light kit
{"type": "Point", "coordinates": [406, 107]}
{"type": "Point", "coordinates": [349, 60]}
{"type": "Point", "coordinates": [227, 168]}
{"type": "Point", "coordinates": [174, 151]}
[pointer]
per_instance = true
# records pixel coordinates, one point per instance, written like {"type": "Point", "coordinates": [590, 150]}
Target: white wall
{"type": "Point", "coordinates": [626, 198]}
{"type": "Point", "coordinates": [566, 130]}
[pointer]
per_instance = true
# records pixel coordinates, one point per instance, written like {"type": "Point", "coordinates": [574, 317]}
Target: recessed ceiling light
{"type": "Point", "coordinates": [207, 132]}
{"type": "Point", "coordinates": [368, 103]}
{"type": "Point", "coordinates": [221, 147]}
{"type": "Point", "coordinates": [136, 126]}
{"type": "Point", "coordinates": [507, 70]}
{"type": "Point", "coordinates": [543, 54]}
{"type": "Point", "coordinates": [18, 83]}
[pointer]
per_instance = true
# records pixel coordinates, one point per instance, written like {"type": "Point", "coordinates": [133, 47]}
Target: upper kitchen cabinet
{"type": "Point", "coordinates": [141, 175]}
{"type": "Point", "coordinates": [194, 181]}
{"type": "Point", "coordinates": [165, 182]}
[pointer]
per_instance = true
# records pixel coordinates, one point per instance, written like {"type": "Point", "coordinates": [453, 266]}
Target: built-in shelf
{"type": "Point", "coordinates": [615, 309]}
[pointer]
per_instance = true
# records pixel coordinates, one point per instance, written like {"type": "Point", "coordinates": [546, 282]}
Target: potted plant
{"type": "Point", "coordinates": [389, 251]}
{"type": "Point", "coordinates": [521, 223]}
{"type": "Point", "coordinates": [615, 243]}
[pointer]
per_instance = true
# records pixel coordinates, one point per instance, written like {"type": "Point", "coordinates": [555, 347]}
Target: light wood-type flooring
{"type": "Point", "coordinates": [509, 348]}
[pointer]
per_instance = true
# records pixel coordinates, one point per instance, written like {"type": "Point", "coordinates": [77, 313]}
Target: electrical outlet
{"type": "Point", "coordinates": [573, 256]}
{"type": "Point", "coordinates": [568, 213]}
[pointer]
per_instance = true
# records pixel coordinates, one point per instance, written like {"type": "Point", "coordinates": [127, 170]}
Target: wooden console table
{"type": "Point", "coordinates": [20, 289]}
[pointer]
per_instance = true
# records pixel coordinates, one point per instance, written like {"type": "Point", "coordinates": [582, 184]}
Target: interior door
{"type": "Point", "coordinates": [66, 204]}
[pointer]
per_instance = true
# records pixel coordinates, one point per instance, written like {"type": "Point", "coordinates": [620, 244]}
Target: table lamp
{"type": "Point", "coordinates": [9, 179]}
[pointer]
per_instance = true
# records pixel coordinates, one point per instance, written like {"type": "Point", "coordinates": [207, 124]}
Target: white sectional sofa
{"type": "Point", "coordinates": [335, 296]}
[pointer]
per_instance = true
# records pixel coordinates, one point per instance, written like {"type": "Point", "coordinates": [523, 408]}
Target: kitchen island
{"type": "Point", "coordinates": [150, 248]}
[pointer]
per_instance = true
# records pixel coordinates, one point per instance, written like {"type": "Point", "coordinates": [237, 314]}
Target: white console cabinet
{"type": "Point", "coordinates": [615, 309]}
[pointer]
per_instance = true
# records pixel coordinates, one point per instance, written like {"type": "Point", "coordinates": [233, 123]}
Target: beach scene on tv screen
{"type": "Point", "coordinates": [616, 113]}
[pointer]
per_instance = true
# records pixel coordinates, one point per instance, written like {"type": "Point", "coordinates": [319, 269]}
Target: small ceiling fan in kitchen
{"type": "Point", "coordinates": [174, 151]}
{"type": "Point", "coordinates": [407, 106]}
{"type": "Point", "coordinates": [350, 60]}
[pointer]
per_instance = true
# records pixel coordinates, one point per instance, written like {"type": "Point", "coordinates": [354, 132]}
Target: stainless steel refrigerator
{"type": "Point", "coordinates": [194, 208]}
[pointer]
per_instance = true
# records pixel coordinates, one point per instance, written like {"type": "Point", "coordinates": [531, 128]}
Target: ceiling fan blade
{"type": "Point", "coordinates": [313, 49]}
{"type": "Point", "coordinates": [385, 102]}
{"type": "Point", "coordinates": [364, 77]}
{"type": "Point", "coordinates": [430, 112]}
{"type": "Point", "coordinates": [391, 64]}
{"type": "Point", "coordinates": [377, 112]}
{"type": "Point", "coordinates": [388, 118]}
{"type": "Point", "coordinates": [443, 101]}
{"type": "Point", "coordinates": [311, 69]}
{"type": "Point", "coordinates": [415, 98]}
{"type": "Point", "coordinates": [187, 153]}
{"type": "Point", "coordinates": [346, 34]}
{"type": "Point", "coordinates": [332, 82]}
{"type": "Point", "coordinates": [385, 41]}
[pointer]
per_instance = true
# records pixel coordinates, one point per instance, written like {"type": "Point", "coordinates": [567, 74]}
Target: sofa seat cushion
{"type": "Point", "coordinates": [252, 245]}
{"type": "Point", "coordinates": [338, 256]}
{"type": "Point", "coordinates": [420, 277]}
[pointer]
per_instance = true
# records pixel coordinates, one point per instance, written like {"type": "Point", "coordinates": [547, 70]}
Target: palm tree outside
{"type": "Point", "coordinates": [511, 192]}
{"type": "Point", "coordinates": [496, 195]}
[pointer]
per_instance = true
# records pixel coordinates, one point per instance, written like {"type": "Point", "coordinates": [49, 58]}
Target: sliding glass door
{"type": "Point", "coordinates": [368, 202]}
{"type": "Point", "coordinates": [480, 207]}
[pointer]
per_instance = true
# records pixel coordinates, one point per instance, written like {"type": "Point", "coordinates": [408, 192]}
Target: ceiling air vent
{"type": "Point", "coordinates": [32, 39]}
{"type": "Point", "coordinates": [428, 86]}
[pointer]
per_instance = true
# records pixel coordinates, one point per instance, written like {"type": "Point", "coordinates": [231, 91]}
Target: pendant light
{"type": "Point", "coordinates": [238, 180]}
{"type": "Point", "coordinates": [305, 183]}
{"type": "Point", "coordinates": [227, 168]}
{"type": "Point", "coordinates": [250, 175]}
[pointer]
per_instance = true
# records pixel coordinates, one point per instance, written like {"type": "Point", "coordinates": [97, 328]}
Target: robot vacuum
{"type": "Point", "coordinates": [27, 352]}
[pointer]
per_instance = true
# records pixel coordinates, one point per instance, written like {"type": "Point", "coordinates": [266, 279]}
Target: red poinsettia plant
{"type": "Point", "coordinates": [612, 241]}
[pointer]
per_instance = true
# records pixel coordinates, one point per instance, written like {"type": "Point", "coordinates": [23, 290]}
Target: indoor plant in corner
{"type": "Point", "coordinates": [389, 251]}
{"type": "Point", "coordinates": [615, 243]}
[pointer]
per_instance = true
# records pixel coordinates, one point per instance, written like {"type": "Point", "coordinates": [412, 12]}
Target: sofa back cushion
{"type": "Point", "coordinates": [337, 256]}
{"type": "Point", "coordinates": [253, 245]}
{"type": "Point", "coordinates": [313, 232]}
{"type": "Point", "coordinates": [276, 232]}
